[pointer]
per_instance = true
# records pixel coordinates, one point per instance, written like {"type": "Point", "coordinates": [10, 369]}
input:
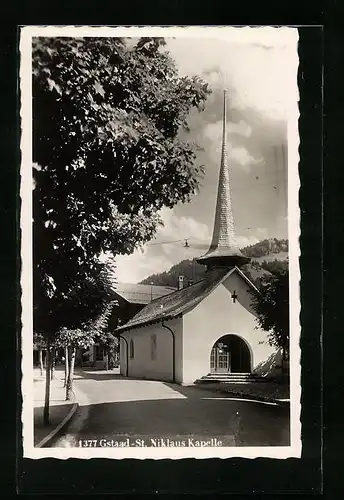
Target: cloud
{"type": "Point", "coordinates": [238, 59]}
{"type": "Point", "coordinates": [181, 226]}
{"type": "Point", "coordinates": [262, 233]}
{"type": "Point", "coordinates": [243, 157]}
{"type": "Point", "coordinates": [134, 268]}
{"type": "Point", "coordinates": [166, 249]}
{"type": "Point", "coordinates": [213, 131]}
{"type": "Point", "coordinates": [242, 128]}
{"type": "Point", "coordinates": [239, 154]}
{"type": "Point", "coordinates": [245, 241]}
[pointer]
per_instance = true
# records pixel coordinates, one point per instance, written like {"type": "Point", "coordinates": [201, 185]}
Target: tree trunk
{"type": "Point", "coordinates": [284, 367]}
{"type": "Point", "coordinates": [69, 385]}
{"type": "Point", "coordinates": [106, 360]}
{"type": "Point", "coordinates": [53, 362]}
{"type": "Point", "coordinates": [47, 385]}
{"type": "Point", "coordinates": [40, 354]}
{"type": "Point", "coordinates": [66, 367]}
{"type": "Point", "coordinates": [110, 359]}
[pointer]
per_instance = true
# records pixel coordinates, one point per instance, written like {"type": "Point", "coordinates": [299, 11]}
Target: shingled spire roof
{"type": "Point", "coordinates": [224, 250]}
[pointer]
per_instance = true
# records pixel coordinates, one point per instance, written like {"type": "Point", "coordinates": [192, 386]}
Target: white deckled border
{"type": "Point", "coordinates": [294, 232]}
{"type": "Point", "coordinates": [26, 240]}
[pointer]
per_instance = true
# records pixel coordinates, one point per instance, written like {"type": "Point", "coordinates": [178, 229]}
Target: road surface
{"type": "Point", "coordinates": [115, 409]}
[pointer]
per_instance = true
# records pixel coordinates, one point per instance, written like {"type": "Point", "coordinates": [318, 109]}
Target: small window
{"type": "Point", "coordinates": [131, 348]}
{"type": "Point", "coordinates": [153, 346]}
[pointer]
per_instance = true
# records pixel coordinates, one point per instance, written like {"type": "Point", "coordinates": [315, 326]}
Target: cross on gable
{"type": "Point", "coordinates": [234, 296]}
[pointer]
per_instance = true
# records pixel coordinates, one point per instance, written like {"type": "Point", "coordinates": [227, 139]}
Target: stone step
{"type": "Point", "coordinates": [234, 378]}
{"type": "Point", "coordinates": [230, 375]}
{"type": "Point", "coordinates": [227, 376]}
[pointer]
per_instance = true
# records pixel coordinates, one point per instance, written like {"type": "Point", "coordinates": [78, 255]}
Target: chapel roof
{"type": "Point", "coordinates": [141, 294]}
{"type": "Point", "coordinates": [181, 301]}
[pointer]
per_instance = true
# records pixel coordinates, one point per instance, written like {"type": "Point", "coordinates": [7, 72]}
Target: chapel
{"type": "Point", "coordinates": [208, 330]}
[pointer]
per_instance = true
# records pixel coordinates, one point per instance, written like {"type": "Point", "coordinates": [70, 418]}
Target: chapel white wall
{"type": "Point", "coordinates": [216, 316]}
{"type": "Point", "coordinates": [142, 365]}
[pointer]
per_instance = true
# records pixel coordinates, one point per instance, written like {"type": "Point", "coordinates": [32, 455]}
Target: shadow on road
{"type": "Point", "coordinates": [234, 423]}
{"type": "Point", "coordinates": [192, 391]}
{"type": "Point", "coordinates": [197, 391]}
{"type": "Point", "coordinates": [94, 374]}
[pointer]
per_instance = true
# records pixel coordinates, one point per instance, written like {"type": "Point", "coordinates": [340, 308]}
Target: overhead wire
{"type": "Point", "coordinates": [164, 242]}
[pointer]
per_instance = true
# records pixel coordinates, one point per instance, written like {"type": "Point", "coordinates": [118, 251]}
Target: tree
{"type": "Point", "coordinates": [107, 157]}
{"type": "Point", "coordinates": [82, 338]}
{"type": "Point", "coordinates": [100, 330]}
{"type": "Point", "coordinates": [72, 340]}
{"type": "Point", "coordinates": [93, 292]}
{"type": "Point", "coordinates": [41, 345]}
{"type": "Point", "coordinates": [272, 309]}
{"type": "Point", "coordinates": [275, 266]}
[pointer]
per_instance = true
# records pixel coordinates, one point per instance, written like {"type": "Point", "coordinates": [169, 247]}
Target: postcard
{"type": "Point", "coordinates": [159, 242]}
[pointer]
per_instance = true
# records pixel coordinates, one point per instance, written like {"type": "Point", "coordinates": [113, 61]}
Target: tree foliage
{"type": "Point", "coordinates": [88, 334]}
{"type": "Point", "coordinates": [77, 338]}
{"type": "Point", "coordinates": [39, 341]}
{"type": "Point", "coordinates": [107, 157]}
{"type": "Point", "coordinates": [272, 308]}
{"type": "Point", "coordinates": [275, 266]}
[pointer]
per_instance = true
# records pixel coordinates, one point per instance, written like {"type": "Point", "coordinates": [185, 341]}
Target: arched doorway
{"type": "Point", "coordinates": [230, 354]}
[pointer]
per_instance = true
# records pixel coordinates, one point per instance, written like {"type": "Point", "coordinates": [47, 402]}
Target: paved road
{"type": "Point", "coordinates": [115, 408]}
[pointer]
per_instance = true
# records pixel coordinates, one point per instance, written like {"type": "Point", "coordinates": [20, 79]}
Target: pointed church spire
{"type": "Point", "coordinates": [224, 250]}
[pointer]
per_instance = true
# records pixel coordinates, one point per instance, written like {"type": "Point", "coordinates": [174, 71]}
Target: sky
{"type": "Point", "coordinates": [258, 66]}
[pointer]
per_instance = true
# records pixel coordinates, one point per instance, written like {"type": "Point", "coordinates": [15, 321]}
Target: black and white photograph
{"type": "Point", "coordinates": [159, 249]}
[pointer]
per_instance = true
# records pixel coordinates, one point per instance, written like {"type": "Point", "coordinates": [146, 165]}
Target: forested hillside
{"type": "Point", "coordinates": [266, 248]}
